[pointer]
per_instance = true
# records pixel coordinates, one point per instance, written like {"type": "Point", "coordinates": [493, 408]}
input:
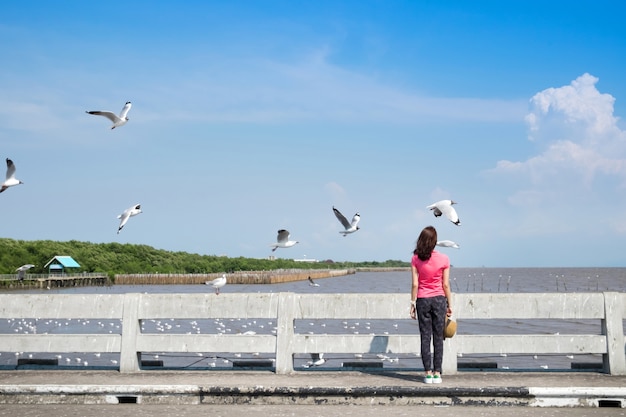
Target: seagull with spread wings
{"type": "Point", "coordinates": [127, 214]}
{"type": "Point", "coordinates": [349, 227]}
{"type": "Point", "coordinates": [444, 207]}
{"type": "Point", "coordinates": [313, 283]}
{"type": "Point", "coordinates": [448, 244]}
{"type": "Point", "coordinates": [282, 240]}
{"type": "Point", "coordinates": [10, 180]}
{"type": "Point", "coordinates": [117, 120]}
{"type": "Point", "coordinates": [21, 271]}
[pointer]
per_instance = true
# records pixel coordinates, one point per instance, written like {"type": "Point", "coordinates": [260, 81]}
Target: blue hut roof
{"type": "Point", "coordinates": [66, 261]}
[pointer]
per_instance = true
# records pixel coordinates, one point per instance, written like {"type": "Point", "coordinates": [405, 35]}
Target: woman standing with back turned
{"type": "Point", "coordinates": [431, 300]}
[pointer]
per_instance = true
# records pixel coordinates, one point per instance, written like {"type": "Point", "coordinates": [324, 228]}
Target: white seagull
{"type": "Point", "coordinates": [445, 207]}
{"type": "Point", "coordinates": [313, 283]}
{"type": "Point", "coordinates": [127, 214]}
{"type": "Point", "coordinates": [117, 120]}
{"type": "Point", "coordinates": [21, 271]}
{"type": "Point", "coordinates": [317, 359]}
{"type": "Point", "coordinates": [217, 283]}
{"type": "Point", "coordinates": [448, 244]}
{"type": "Point", "coordinates": [282, 240]}
{"type": "Point", "coordinates": [10, 179]}
{"type": "Point", "coordinates": [350, 227]}
{"type": "Point", "coordinates": [24, 267]}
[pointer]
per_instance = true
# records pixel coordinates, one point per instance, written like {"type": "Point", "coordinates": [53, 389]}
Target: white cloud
{"type": "Point", "coordinates": [579, 134]}
{"type": "Point", "coordinates": [572, 187]}
{"type": "Point", "coordinates": [578, 105]}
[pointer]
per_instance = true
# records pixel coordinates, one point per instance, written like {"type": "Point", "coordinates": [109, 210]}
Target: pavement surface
{"type": "Point", "coordinates": [196, 391]}
{"type": "Point", "coordinates": [133, 410]}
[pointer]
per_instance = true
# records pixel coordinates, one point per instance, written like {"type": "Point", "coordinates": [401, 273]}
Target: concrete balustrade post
{"type": "Point", "coordinates": [614, 360]}
{"type": "Point", "coordinates": [131, 330]}
{"type": "Point", "coordinates": [285, 333]}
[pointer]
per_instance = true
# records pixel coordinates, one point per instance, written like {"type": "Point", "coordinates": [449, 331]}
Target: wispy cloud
{"type": "Point", "coordinates": [312, 88]}
{"type": "Point", "coordinates": [227, 89]}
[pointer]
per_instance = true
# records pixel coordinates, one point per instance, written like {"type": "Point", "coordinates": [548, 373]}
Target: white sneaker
{"type": "Point", "coordinates": [436, 379]}
{"type": "Point", "coordinates": [428, 379]}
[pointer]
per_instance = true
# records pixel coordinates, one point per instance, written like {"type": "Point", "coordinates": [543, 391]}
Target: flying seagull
{"type": "Point", "coordinates": [21, 271]}
{"type": "Point", "coordinates": [313, 283]}
{"type": "Point", "coordinates": [350, 227]}
{"type": "Point", "coordinates": [117, 120]}
{"type": "Point", "coordinates": [445, 207]}
{"type": "Point", "coordinates": [24, 267]}
{"type": "Point", "coordinates": [127, 214]}
{"type": "Point", "coordinates": [217, 283]}
{"type": "Point", "coordinates": [282, 240]}
{"type": "Point", "coordinates": [448, 244]}
{"type": "Point", "coordinates": [10, 179]}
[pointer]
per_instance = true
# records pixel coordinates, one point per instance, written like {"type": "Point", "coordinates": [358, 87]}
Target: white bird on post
{"type": "Point", "coordinates": [217, 283]}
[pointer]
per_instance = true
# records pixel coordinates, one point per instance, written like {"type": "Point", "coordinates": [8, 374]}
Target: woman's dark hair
{"type": "Point", "coordinates": [426, 243]}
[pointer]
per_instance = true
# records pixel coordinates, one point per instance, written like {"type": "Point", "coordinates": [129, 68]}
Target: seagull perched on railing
{"type": "Point", "coordinates": [10, 180]}
{"type": "Point", "coordinates": [282, 240]}
{"type": "Point", "coordinates": [117, 120]}
{"type": "Point", "coordinates": [127, 214]}
{"type": "Point", "coordinates": [217, 283]}
{"type": "Point", "coordinates": [350, 227]}
{"type": "Point", "coordinates": [445, 207]}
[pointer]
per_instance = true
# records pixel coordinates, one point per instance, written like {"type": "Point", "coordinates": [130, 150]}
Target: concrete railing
{"type": "Point", "coordinates": [285, 308]}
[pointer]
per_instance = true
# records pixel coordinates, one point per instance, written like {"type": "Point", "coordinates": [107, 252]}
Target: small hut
{"type": "Point", "coordinates": [58, 264]}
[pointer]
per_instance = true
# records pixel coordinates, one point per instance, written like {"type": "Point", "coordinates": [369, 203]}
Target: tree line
{"type": "Point", "coordinates": [118, 258]}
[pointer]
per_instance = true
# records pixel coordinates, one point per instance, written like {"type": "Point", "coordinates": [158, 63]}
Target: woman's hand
{"type": "Point", "coordinates": [413, 312]}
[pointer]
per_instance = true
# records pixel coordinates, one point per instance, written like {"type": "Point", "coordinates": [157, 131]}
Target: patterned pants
{"type": "Point", "coordinates": [431, 316]}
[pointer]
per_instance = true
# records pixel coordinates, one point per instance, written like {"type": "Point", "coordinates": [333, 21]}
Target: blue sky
{"type": "Point", "coordinates": [252, 116]}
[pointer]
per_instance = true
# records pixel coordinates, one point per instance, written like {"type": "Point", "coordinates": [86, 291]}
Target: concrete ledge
{"type": "Point", "coordinates": [192, 394]}
{"type": "Point", "coordinates": [571, 389]}
{"type": "Point", "coordinates": [578, 397]}
{"type": "Point", "coordinates": [361, 395]}
{"type": "Point", "coordinates": [367, 395]}
{"type": "Point", "coordinates": [99, 394]}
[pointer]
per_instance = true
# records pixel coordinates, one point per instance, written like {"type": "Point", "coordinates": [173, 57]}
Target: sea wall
{"type": "Point", "coordinates": [244, 277]}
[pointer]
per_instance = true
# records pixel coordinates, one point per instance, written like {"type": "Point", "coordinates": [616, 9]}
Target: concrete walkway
{"type": "Point", "coordinates": [556, 389]}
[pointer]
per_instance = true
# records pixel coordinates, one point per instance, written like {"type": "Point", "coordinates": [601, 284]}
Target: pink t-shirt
{"type": "Point", "coordinates": [430, 279]}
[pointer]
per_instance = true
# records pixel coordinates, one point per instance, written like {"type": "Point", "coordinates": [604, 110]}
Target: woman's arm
{"type": "Point", "coordinates": [414, 282]}
{"type": "Point", "coordinates": [446, 289]}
